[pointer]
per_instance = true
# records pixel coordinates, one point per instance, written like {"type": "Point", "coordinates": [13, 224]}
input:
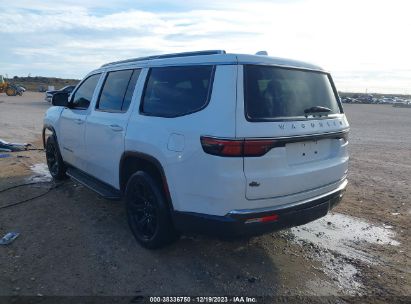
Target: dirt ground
{"type": "Point", "coordinates": [72, 242]}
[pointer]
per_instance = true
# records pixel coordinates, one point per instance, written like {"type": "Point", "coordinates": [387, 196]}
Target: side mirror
{"type": "Point", "coordinates": [60, 99]}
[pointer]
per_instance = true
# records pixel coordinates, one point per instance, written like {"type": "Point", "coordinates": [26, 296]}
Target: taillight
{"type": "Point", "coordinates": [257, 147]}
{"type": "Point", "coordinates": [236, 148]}
{"type": "Point", "coordinates": [222, 147]}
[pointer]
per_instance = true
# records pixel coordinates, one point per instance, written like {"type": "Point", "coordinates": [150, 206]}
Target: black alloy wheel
{"type": "Point", "coordinates": [143, 210]}
{"type": "Point", "coordinates": [54, 160]}
{"type": "Point", "coordinates": [148, 213]}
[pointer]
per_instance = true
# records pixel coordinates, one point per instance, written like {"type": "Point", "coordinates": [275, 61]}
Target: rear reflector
{"type": "Point", "coordinates": [265, 219]}
{"type": "Point", "coordinates": [236, 148]}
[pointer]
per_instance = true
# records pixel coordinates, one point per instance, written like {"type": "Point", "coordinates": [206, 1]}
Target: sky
{"type": "Point", "coordinates": [365, 44]}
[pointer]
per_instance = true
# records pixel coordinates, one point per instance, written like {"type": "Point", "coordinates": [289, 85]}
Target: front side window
{"type": "Point", "coordinates": [278, 93]}
{"type": "Point", "coordinates": [177, 91]}
{"type": "Point", "coordinates": [118, 90]}
{"type": "Point", "coordinates": [82, 97]}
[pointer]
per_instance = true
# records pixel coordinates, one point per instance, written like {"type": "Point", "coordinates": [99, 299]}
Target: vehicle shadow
{"type": "Point", "coordinates": [74, 243]}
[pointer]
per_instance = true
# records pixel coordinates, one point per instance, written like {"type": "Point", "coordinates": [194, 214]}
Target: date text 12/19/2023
{"type": "Point", "coordinates": [203, 299]}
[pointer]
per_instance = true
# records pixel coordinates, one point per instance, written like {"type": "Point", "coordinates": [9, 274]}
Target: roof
{"type": "Point", "coordinates": [209, 57]}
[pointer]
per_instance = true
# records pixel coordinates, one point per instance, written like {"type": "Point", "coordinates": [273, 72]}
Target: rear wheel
{"type": "Point", "coordinates": [54, 160]}
{"type": "Point", "coordinates": [147, 212]}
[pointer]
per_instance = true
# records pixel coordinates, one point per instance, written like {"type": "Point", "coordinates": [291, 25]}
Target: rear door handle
{"type": "Point", "coordinates": [116, 128]}
{"type": "Point", "coordinates": [79, 121]}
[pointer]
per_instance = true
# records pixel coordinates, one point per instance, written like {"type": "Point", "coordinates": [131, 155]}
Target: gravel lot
{"type": "Point", "coordinates": [74, 243]}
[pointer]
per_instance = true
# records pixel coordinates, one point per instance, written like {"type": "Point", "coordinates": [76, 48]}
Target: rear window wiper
{"type": "Point", "coordinates": [316, 109]}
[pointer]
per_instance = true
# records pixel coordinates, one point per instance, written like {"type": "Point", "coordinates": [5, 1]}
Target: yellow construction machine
{"type": "Point", "coordinates": [9, 88]}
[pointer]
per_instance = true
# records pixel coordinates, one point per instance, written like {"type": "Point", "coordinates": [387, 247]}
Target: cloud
{"type": "Point", "coordinates": [349, 38]}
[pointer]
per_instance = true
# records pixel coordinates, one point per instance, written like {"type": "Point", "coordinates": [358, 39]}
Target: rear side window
{"type": "Point", "coordinates": [118, 90]}
{"type": "Point", "coordinates": [82, 97]}
{"type": "Point", "coordinates": [278, 93]}
{"type": "Point", "coordinates": [177, 91]}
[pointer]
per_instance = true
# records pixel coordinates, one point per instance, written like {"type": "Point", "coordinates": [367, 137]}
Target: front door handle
{"type": "Point", "coordinates": [116, 128]}
{"type": "Point", "coordinates": [79, 121]}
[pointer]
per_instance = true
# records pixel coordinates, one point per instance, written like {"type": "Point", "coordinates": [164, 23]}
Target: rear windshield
{"type": "Point", "coordinates": [278, 93]}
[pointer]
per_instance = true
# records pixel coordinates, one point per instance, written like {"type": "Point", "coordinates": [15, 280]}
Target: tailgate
{"type": "Point", "coordinates": [299, 121]}
{"type": "Point", "coordinates": [296, 165]}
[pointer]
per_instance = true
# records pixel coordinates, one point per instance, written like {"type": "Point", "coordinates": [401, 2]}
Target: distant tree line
{"type": "Point", "coordinates": [40, 83]}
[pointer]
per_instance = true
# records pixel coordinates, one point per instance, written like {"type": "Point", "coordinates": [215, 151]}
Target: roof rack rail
{"type": "Point", "coordinates": [172, 55]}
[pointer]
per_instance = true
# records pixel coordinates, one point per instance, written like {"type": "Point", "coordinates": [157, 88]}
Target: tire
{"type": "Point", "coordinates": [11, 92]}
{"type": "Point", "coordinates": [54, 160]}
{"type": "Point", "coordinates": [147, 212]}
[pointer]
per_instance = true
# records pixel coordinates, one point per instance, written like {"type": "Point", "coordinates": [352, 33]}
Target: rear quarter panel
{"type": "Point", "coordinates": [198, 182]}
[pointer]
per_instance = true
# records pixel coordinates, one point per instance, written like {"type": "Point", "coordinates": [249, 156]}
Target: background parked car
{"type": "Point", "coordinates": [66, 89]}
{"type": "Point", "coordinates": [347, 100]}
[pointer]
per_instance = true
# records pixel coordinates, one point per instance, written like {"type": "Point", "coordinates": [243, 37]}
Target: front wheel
{"type": "Point", "coordinates": [54, 160]}
{"type": "Point", "coordinates": [147, 212]}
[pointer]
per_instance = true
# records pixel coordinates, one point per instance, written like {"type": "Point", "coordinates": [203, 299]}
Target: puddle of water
{"type": "Point", "coordinates": [345, 274]}
{"type": "Point", "coordinates": [41, 173]}
{"type": "Point", "coordinates": [340, 238]}
{"type": "Point", "coordinates": [345, 234]}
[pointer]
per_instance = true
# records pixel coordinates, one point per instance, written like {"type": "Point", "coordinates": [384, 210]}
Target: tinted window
{"type": "Point", "coordinates": [176, 91]}
{"type": "Point", "coordinates": [273, 92]}
{"type": "Point", "coordinates": [82, 97]}
{"type": "Point", "coordinates": [117, 90]}
{"type": "Point", "coordinates": [130, 90]}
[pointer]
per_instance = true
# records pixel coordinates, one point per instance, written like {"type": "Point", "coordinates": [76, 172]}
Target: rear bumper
{"type": "Point", "coordinates": [241, 223]}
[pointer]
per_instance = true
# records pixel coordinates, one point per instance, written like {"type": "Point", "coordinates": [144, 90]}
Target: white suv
{"type": "Point", "coordinates": [204, 142]}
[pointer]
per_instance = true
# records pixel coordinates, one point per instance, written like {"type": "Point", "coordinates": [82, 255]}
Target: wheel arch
{"type": "Point", "coordinates": [43, 134]}
{"type": "Point", "coordinates": [133, 161]}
